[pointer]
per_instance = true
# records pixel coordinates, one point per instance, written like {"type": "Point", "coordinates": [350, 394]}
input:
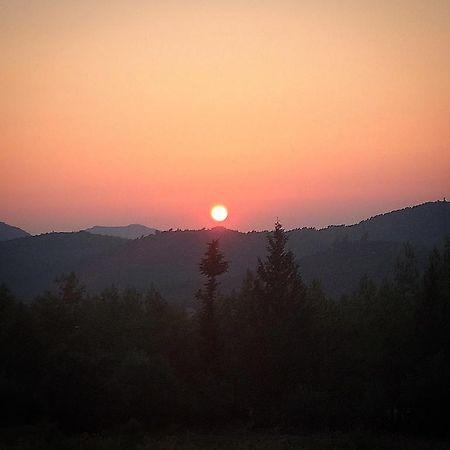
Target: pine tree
{"type": "Point", "coordinates": [71, 291]}
{"type": "Point", "coordinates": [279, 323]}
{"type": "Point", "coordinates": [279, 280]}
{"type": "Point", "coordinates": [407, 273]}
{"type": "Point", "coordinates": [212, 265]}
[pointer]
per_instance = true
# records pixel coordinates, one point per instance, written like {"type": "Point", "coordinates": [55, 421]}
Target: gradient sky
{"type": "Point", "coordinates": [320, 112]}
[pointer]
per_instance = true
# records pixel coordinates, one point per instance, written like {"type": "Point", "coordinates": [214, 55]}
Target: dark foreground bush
{"type": "Point", "coordinates": [127, 440]}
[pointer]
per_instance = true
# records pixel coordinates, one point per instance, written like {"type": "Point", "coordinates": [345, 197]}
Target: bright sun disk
{"type": "Point", "coordinates": [219, 213]}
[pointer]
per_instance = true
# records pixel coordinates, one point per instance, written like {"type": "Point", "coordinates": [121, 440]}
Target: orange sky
{"type": "Point", "coordinates": [117, 112]}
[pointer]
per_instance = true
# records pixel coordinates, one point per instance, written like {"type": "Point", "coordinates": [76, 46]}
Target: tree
{"type": "Point", "coordinates": [407, 273]}
{"type": "Point", "coordinates": [278, 276]}
{"type": "Point", "coordinates": [275, 330]}
{"type": "Point", "coordinates": [70, 289]}
{"type": "Point", "coordinates": [212, 265]}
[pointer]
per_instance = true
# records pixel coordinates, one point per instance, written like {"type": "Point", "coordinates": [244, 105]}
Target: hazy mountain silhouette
{"type": "Point", "coordinates": [31, 264]}
{"type": "Point", "coordinates": [8, 232]}
{"type": "Point", "coordinates": [132, 231]}
{"type": "Point", "coordinates": [424, 224]}
{"type": "Point", "coordinates": [337, 255]}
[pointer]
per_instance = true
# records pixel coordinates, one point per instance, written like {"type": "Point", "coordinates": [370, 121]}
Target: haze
{"type": "Point", "coordinates": [151, 112]}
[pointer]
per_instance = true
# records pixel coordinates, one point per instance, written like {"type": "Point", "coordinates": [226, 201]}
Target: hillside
{"type": "Point", "coordinates": [132, 231]}
{"type": "Point", "coordinates": [30, 265]}
{"type": "Point", "coordinates": [337, 255]}
{"type": "Point", "coordinates": [425, 225]}
{"type": "Point", "coordinates": [8, 232]}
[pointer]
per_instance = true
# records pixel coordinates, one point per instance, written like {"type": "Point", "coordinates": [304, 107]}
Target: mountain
{"type": "Point", "coordinates": [338, 255]}
{"type": "Point", "coordinates": [132, 231]}
{"type": "Point", "coordinates": [30, 265]}
{"type": "Point", "coordinates": [423, 225]}
{"type": "Point", "coordinates": [8, 232]}
{"type": "Point", "coordinates": [341, 267]}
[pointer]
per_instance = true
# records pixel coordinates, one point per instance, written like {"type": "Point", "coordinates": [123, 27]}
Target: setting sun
{"type": "Point", "coordinates": [219, 213]}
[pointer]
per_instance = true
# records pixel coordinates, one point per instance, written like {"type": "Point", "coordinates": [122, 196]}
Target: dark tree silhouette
{"type": "Point", "coordinates": [279, 279]}
{"type": "Point", "coordinates": [212, 265]}
{"type": "Point", "coordinates": [70, 289]}
{"type": "Point", "coordinates": [273, 304]}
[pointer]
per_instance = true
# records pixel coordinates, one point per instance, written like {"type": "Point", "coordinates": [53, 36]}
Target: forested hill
{"type": "Point", "coordinates": [338, 255]}
{"type": "Point", "coordinates": [8, 232]}
{"type": "Point", "coordinates": [132, 231]}
{"type": "Point", "coordinates": [30, 265]}
{"type": "Point", "coordinates": [425, 225]}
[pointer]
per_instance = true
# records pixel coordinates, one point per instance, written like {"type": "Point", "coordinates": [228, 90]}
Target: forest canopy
{"type": "Point", "coordinates": [275, 353]}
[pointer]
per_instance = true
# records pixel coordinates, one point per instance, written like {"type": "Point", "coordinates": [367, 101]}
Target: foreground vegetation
{"type": "Point", "coordinates": [135, 439]}
{"type": "Point", "coordinates": [276, 354]}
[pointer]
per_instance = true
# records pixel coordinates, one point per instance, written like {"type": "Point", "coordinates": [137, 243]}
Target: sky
{"type": "Point", "coordinates": [313, 112]}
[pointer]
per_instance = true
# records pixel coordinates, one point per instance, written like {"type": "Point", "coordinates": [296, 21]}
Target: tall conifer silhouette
{"type": "Point", "coordinates": [278, 275]}
{"type": "Point", "coordinates": [212, 265]}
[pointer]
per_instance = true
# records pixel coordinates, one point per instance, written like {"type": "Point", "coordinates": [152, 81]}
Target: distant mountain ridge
{"type": "Point", "coordinates": [338, 255]}
{"type": "Point", "coordinates": [424, 224]}
{"type": "Point", "coordinates": [132, 231]}
{"type": "Point", "coordinates": [8, 232]}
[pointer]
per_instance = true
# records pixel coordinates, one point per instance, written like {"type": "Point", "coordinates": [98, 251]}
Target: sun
{"type": "Point", "coordinates": [219, 213]}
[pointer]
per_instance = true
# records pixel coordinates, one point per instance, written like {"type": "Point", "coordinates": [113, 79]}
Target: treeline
{"type": "Point", "coordinates": [277, 353]}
